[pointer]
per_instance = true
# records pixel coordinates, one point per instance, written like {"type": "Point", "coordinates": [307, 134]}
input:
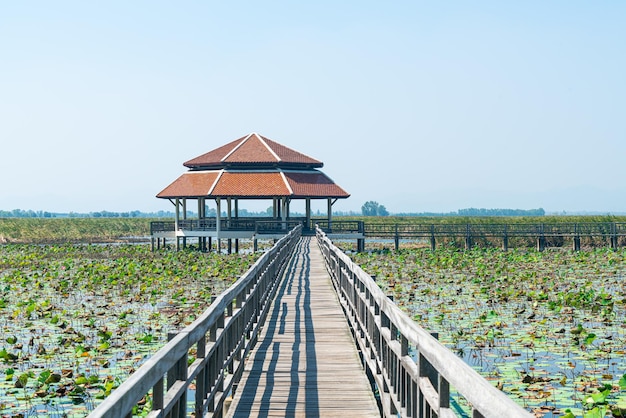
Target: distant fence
{"type": "Point", "coordinates": [541, 235]}
{"type": "Point", "coordinates": [222, 337]}
{"type": "Point", "coordinates": [468, 235]}
{"type": "Point", "coordinates": [385, 336]}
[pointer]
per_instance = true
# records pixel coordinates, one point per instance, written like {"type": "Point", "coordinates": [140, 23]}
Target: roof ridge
{"type": "Point", "coordinates": [282, 176]}
{"type": "Point", "coordinates": [217, 179]}
{"type": "Point", "coordinates": [237, 147]}
{"type": "Point", "coordinates": [267, 146]}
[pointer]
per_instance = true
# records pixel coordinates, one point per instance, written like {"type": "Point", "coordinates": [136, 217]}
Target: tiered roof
{"type": "Point", "coordinates": [252, 150]}
{"type": "Point", "coordinates": [253, 167]}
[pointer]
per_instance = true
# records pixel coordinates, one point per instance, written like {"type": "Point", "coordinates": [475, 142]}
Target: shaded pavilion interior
{"type": "Point", "coordinates": [252, 167]}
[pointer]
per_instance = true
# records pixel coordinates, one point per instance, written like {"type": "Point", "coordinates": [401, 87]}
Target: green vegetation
{"type": "Point", "coordinates": [76, 320]}
{"type": "Point", "coordinates": [485, 220]}
{"type": "Point", "coordinates": [73, 230]}
{"type": "Point", "coordinates": [547, 328]}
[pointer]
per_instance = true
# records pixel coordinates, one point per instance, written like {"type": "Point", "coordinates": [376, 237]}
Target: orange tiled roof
{"type": "Point", "coordinates": [253, 184]}
{"type": "Point", "coordinates": [252, 149]}
{"type": "Point", "coordinates": [253, 167]}
{"type": "Point", "coordinates": [190, 184]}
{"type": "Point", "coordinates": [314, 183]}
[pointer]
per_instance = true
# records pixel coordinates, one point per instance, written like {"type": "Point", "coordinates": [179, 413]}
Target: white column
{"type": "Point", "coordinates": [177, 214]}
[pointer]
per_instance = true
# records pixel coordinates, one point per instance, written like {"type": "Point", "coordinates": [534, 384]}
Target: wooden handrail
{"type": "Point", "coordinates": [223, 335]}
{"type": "Point", "coordinates": [386, 337]}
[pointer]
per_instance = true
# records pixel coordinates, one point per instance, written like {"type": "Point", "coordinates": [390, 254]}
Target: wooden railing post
{"type": "Point", "coordinates": [468, 237]}
{"type": "Point", "coordinates": [397, 238]}
{"type": "Point", "coordinates": [540, 239]}
{"type": "Point", "coordinates": [178, 372]}
{"type": "Point", "coordinates": [614, 236]}
{"type": "Point", "coordinates": [576, 238]}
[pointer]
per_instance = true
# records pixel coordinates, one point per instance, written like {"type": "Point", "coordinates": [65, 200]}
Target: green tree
{"type": "Point", "coordinates": [372, 208]}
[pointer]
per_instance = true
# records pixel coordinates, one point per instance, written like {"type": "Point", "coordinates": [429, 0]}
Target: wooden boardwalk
{"type": "Point", "coordinates": [305, 362]}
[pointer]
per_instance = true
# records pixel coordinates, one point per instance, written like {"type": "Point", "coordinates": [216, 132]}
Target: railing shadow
{"type": "Point", "coordinates": [296, 282]}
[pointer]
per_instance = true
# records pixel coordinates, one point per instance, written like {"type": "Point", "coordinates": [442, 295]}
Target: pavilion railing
{"type": "Point", "coordinates": [233, 224]}
{"type": "Point", "coordinates": [210, 352]}
{"type": "Point", "coordinates": [387, 339]}
{"type": "Point", "coordinates": [275, 226]}
{"type": "Point", "coordinates": [340, 227]}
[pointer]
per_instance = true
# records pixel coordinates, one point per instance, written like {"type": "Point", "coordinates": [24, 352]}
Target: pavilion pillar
{"type": "Point", "coordinates": [308, 213]}
{"type": "Point", "coordinates": [229, 216]}
{"type": "Point", "coordinates": [184, 218]}
{"type": "Point", "coordinates": [218, 224]}
{"type": "Point", "coordinates": [330, 214]}
{"type": "Point", "coordinates": [236, 217]}
{"type": "Point", "coordinates": [284, 212]}
{"type": "Point", "coordinates": [200, 239]}
{"type": "Point", "coordinates": [176, 221]}
{"type": "Point", "coordinates": [177, 211]}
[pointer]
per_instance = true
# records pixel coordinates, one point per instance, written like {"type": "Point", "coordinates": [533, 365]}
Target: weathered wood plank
{"type": "Point", "coordinates": [305, 362]}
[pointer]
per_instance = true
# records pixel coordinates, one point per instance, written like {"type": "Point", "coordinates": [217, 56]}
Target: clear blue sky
{"type": "Point", "coordinates": [421, 106]}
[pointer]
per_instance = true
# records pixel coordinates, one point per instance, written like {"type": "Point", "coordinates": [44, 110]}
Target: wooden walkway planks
{"type": "Point", "coordinates": [305, 362]}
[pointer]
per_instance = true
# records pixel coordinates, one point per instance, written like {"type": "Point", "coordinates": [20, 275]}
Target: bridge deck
{"type": "Point", "coordinates": [305, 362]}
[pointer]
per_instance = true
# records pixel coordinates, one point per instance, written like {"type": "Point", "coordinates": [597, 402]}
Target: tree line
{"type": "Point", "coordinates": [481, 212]}
{"type": "Point", "coordinates": [20, 213]}
{"type": "Point", "coordinates": [370, 208]}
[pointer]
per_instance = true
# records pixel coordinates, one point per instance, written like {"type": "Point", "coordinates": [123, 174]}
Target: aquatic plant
{"type": "Point", "coordinates": [77, 320]}
{"type": "Point", "coordinates": [545, 327]}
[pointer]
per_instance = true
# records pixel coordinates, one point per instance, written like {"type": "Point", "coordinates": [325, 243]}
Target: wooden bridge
{"type": "Point", "coordinates": [305, 362]}
{"type": "Point", "coordinates": [305, 332]}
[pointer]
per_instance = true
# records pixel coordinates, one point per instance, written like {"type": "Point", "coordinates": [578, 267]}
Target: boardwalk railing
{"type": "Point", "coordinates": [387, 337]}
{"type": "Point", "coordinates": [612, 234]}
{"type": "Point", "coordinates": [209, 352]}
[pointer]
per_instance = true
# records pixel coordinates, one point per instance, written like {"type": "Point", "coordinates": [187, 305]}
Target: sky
{"type": "Point", "coordinates": [420, 106]}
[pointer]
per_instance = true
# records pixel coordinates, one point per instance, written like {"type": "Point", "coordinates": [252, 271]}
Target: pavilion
{"type": "Point", "coordinates": [252, 167]}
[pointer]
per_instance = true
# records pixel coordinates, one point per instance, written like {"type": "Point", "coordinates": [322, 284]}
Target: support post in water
{"type": "Point", "coordinates": [433, 244]}
{"type": "Point", "coordinates": [541, 240]}
{"type": "Point", "coordinates": [397, 239]}
{"type": "Point", "coordinates": [505, 239]}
